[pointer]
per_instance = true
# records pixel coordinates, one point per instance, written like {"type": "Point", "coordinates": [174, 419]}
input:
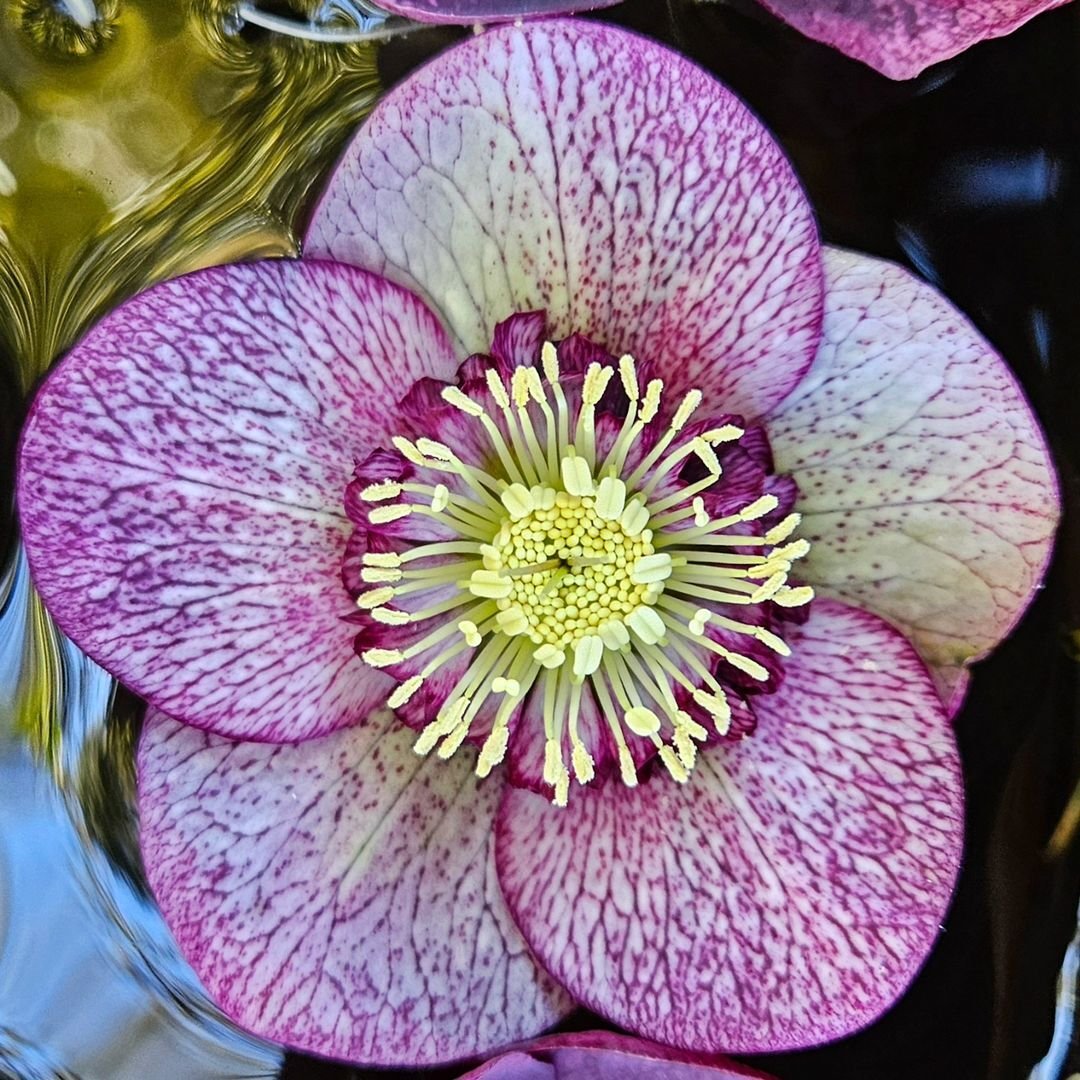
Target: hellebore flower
{"type": "Point", "coordinates": [589, 354]}
{"type": "Point", "coordinates": [599, 1055]}
{"type": "Point", "coordinates": [900, 38]}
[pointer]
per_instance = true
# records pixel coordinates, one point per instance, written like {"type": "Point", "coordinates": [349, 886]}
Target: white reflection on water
{"type": "Point", "coordinates": [91, 985]}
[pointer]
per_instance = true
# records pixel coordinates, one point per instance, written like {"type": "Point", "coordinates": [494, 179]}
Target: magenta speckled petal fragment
{"type": "Point", "coordinates": [482, 11]}
{"type": "Point", "coordinates": [789, 892]}
{"type": "Point", "coordinates": [926, 486]}
{"type": "Point", "coordinates": [181, 488]}
{"type": "Point", "coordinates": [581, 170]}
{"type": "Point", "coordinates": [339, 895]}
{"type": "Point", "coordinates": [902, 37]}
{"type": "Point", "coordinates": [603, 1055]}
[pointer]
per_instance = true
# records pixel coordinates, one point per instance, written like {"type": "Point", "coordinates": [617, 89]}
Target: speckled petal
{"type": "Point", "coordinates": [339, 895]}
{"type": "Point", "coordinates": [181, 488]}
{"type": "Point", "coordinates": [925, 481]}
{"type": "Point", "coordinates": [579, 169]}
{"type": "Point", "coordinates": [481, 11]}
{"type": "Point", "coordinates": [902, 37]}
{"type": "Point", "coordinates": [789, 892]}
{"type": "Point", "coordinates": [603, 1055]}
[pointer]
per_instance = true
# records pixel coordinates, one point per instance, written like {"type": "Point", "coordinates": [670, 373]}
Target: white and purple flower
{"type": "Point", "coordinates": [585, 422]}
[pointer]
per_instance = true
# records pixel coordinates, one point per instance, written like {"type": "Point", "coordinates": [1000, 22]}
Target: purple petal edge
{"type": "Point", "coordinates": [486, 11]}
{"type": "Point", "coordinates": [339, 895]}
{"type": "Point", "coordinates": [901, 38]}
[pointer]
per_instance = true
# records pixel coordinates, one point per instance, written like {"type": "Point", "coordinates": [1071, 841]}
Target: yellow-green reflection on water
{"type": "Point", "coordinates": [150, 144]}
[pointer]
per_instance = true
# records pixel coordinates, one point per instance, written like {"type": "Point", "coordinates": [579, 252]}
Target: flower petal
{"type": "Point", "coordinates": [479, 11]}
{"type": "Point", "coordinates": [599, 1055]}
{"type": "Point", "coordinates": [579, 169]}
{"type": "Point", "coordinates": [788, 893]}
{"type": "Point", "coordinates": [181, 483]}
{"type": "Point", "coordinates": [900, 38]}
{"type": "Point", "coordinates": [339, 895]}
{"type": "Point", "coordinates": [926, 486]}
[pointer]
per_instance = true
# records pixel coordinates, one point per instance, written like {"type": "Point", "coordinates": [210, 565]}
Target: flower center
{"type": "Point", "coordinates": [577, 575]}
{"type": "Point", "coordinates": [570, 571]}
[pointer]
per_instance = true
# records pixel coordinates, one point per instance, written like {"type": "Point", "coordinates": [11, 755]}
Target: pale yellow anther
{"type": "Point", "coordinates": [723, 434]}
{"type": "Point", "coordinates": [698, 623]}
{"type": "Point", "coordinates": [651, 568]}
{"type": "Point", "coordinates": [650, 403]}
{"type": "Point", "coordinates": [642, 721]}
{"type": "Point", "coordinates": [440, 498]}
{"type": "Point", "coordinates": [576, 476]}
{"type": "Point", "coordinates": [768, 588]}
{"type": "Point", "coordinates": [391, 616]}
{"type": "Point", "coordinates": [627, 769]}
{"type": "Point", "coordinates": [582, 761]}
{"type": "Point", "coordinates": [452, 743]}
{"type": "Point", "coordinates": [701, 515]}
{"type": "Point", "coordinates": [437, 450]}
{"type": "Point", "coordinates": [512, 621]}
{"type": "Point", "coordinates": [373, 598]}
{"type": "Point", "coordinates": [647, 624]}
{"type": "Point", "coordinates": [747, 665]}
{"type": "Point", "coordinates": [380, 492]}
{"type": "Point", "coordinates": [614, 634]}
{"type": "Point", "coordinates": [790, 598]}
{"type": "Point", "coordinates": [716, 705]}
{"type": "Point", "coordinates": [685, 748]}
{"type": "Point", "coordinates": [597, 377]}
{"type": "Point", "coordinates": [404, 692]}
{"type": "Point", "coordinates": [381, 558]}
{"type": "Point", "coordinates": [460, 400]}
{"type": "Point", "coordinates": [685, 722]}
{"type": "Point", "coordinates": [379, 575]}
{"type": "Point", "coordinates": [610, 498]}
{"type": "Point", "coordinates": [471, 632]}
{"type": "Point", "coordinates": [536, 386]}
{"type": "Point", "coordinates": [553, 761]}
{"type": "Point", "coordinates": [676, 769]}
{"type": "Point", "coordinates": [628, 375]}
{"type": "Point", "coordinates": [384, 515]}
{"type": "Point", "coordinates": [562, 788]}
{"type": "Point", "coordinates": [493, 750]}
{"type": "Point", "coordinates": [497, 388]}
{"type": "Point", "coordinates": [588, 652]}
{"type": "Point", "coordinates": [549, 361]}
{"type": "Point", "coordinates": [550, 657]}
{"type": "Point", "coordinates": [635, 517]}
{"type": "Point", "coordinates": [380, 658]}
{"type": "Point", "coordinates": [790, 552]}
{"type": "Point", "coordinates": [518, 500]}
{"type": "Point", "coordinates": [772, 641]}
{"type": "Point", "coordinates": [510, 687]}
{"type": "Point", "coordinates": [490, 557]}
{"type": "Point", "coordinates": [779, 533]}
{"type": "Point", "coordinates": [685, 410]}
{"type": "Point", "coordinates": [407, 450]}
{"type": "Point", "coordinates": [707, 456]}
{"type": "Point", "coordinates": [519, 387]}
{"type": "Point", "coordinates": [759, 508]}
{"type": "Point", "coordinates": [490, 585]}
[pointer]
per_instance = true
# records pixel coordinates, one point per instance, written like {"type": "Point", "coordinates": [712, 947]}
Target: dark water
{"type": "Point", "coordinates": [969, 175]}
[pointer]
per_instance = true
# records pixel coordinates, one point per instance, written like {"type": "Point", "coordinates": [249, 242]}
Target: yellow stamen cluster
{"type": "Point", "coordinates": [570, 568]}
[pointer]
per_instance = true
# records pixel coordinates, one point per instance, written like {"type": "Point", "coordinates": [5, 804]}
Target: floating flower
{"type": "Point", "coordinates": [589, 354]}
{"type": "Point", "coordinates": [900, 38]}
{"type": "Point", "coordinates": [598, 1055]}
